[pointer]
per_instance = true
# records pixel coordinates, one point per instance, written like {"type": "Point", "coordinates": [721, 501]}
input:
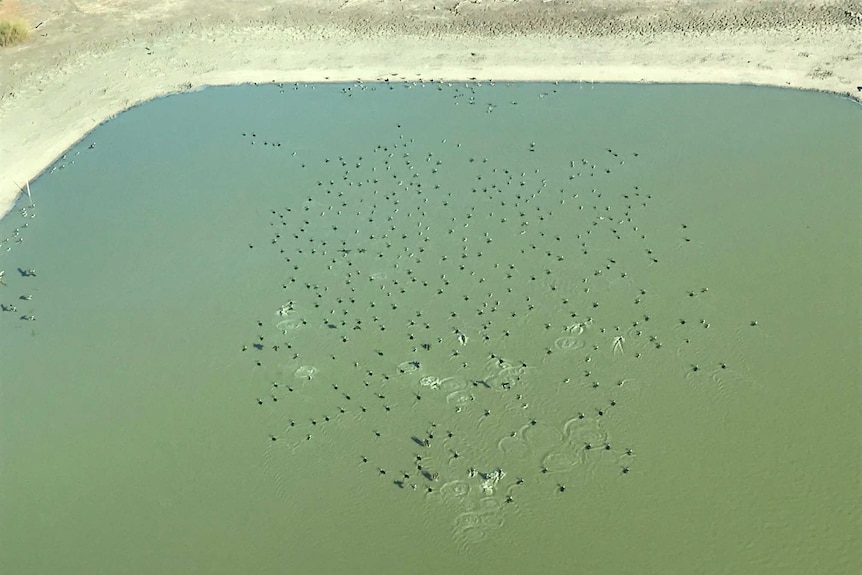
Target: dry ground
{"type": "Point", "coordinates": [90, 59]}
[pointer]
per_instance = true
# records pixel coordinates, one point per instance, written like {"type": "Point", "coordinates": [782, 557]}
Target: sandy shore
{"type": "Point", "coordinates": [89, 60]}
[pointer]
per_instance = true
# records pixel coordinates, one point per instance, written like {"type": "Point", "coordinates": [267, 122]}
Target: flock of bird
{"type": "Point", "coordinates": [17, 304]}
{"type": "Point", "coordinates": [469, 330]}
{"type": "Point", "coordinates": [14, 303]}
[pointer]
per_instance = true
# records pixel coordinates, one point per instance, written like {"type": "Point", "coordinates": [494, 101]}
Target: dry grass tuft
{"type": "Point", "coordinates": [13, 28]}
{"type": "Point", "coordinates": [13, 32]}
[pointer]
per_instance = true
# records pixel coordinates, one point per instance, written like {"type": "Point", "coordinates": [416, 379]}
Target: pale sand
{"type": "Point", "coordinates": [90, 60]}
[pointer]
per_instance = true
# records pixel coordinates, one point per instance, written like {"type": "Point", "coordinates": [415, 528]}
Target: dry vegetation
{"type": "Point", "coordinates": [13, 28]}
{"type": "Point", "coordinates": [13, 32]}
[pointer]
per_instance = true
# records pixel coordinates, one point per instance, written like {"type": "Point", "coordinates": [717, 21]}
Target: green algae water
{"type": "Point", "coordinates": [450, 328]}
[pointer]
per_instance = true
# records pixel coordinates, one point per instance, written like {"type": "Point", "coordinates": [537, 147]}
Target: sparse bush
{"type": "Point", "coordinates": [13, 32]}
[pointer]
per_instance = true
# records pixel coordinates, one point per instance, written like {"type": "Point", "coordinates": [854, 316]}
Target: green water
{"type": "Point", "coordinates": [625, 319]}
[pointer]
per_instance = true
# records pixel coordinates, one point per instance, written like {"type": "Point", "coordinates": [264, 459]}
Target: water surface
{"type": "Point", "coordinates": [449, 328]}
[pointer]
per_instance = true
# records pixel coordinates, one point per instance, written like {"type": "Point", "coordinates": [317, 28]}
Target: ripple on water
{"type": "Point", "coordinates": [560, 459]}
{"type": "Point", "coordinates": [445, 384]}
{"type": "Point", "coordinates": [490, 505]}
{"type": "Point", "coordinates": [408, 367]}
{"type": "Point", "coordinates": [492, 519]}
{"type": "Point", "coordinates": [541, 437]}
{"type": "Point", "coordinates": [305, 372]}
{"type": "Point", "coordinates": [581, 431]}
{"type": "Point", "coordinates": [449, 384]}
{"type": "Point", "coordinates": [288, 325]}
{"type": "Point", "coordinates": [510, 377]}
{"type": "Point", "coordinates": [468, 519]}
{"type": "Point", "coordinates": [475, 525]}
{"type": "Point", "coordinates": [455, 490]}
{"type": "Point", "coordinates": [273, 464]}
{"type": "Point", "coordinates": [430, 381]}
{"type": "Point", "coordinates": [569, 343]}
{"type": "Point", "coordinates": [514, 446]}
{"type": "Point", "coordinates": [468, 528]}
{"type": "Point", "coordinates": [729, 377]}
{"type": "Point", "coordinates": [460, 398]}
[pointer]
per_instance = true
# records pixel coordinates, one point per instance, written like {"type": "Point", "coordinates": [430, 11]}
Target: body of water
{"type": "Point", "coordinates": [450, 328]}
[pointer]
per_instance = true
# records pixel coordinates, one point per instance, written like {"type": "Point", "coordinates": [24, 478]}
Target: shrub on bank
{"type": "Point", "coordinates": [13, 32]}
